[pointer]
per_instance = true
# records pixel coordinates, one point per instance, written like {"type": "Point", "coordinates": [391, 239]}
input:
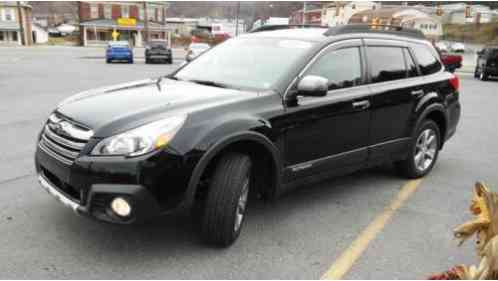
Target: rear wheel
{"type": "Point", "coordinates": [476, 72]}
{"type": "Point", "coordinates": [226, 202]}
{"type": "Point", "coordinates": [423, 153]}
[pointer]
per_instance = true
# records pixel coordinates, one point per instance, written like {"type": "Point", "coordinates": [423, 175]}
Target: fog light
{"type": "Point", "coordinates": [121, 207]}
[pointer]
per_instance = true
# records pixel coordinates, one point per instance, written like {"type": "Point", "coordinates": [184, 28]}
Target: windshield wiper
{"type": "Point", "coordinates": [209, 83]}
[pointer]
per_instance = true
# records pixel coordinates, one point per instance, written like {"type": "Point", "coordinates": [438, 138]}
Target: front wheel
{"type": "Point", "coordinates": [483, 76]}
{"type": "Point", "coordinates": [226, 201]}
{"type": "Point", "coordinates": [423, 153]}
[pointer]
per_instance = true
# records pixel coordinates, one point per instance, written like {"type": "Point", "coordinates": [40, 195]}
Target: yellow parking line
{"type": "Point", "coordinates": [343, 264]}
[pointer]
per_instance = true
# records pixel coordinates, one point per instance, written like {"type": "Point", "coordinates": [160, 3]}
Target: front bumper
{"type": "Point", "coordinates": [491, 70]}
{"type": "Point", "coordinates": [153, 184]}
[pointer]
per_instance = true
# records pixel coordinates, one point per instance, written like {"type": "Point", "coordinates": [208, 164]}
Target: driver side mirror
{"type": "Point", "coordinates": [313, 86]}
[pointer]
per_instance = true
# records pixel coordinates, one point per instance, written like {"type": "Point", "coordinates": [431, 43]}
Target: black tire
{"type": "Point", "coordinates": [230, 180]}
{"type": "Point", "coordinates": [147, 61]}
{"type": "Point", "coordinates": [476, 73]}
{"type": "Point", "coordinates": [108, 61]}
{"type": "Point", "coordinates": [483, 76]}
{"type": "Point", "coordinates": [170, 61]}
{"type": "Point", "coordinates": [408, 167]}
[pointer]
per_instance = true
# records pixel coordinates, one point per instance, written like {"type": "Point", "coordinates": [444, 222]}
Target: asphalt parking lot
{"type": "Point", "coordinates": [299, 237]}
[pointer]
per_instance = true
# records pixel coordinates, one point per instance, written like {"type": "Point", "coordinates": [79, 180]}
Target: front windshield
{"type": "Point", "coordinates": [253, 63]}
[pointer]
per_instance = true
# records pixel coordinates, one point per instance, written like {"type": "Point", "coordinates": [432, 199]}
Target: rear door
{"type": "Point", "coordinates": [396, 87]}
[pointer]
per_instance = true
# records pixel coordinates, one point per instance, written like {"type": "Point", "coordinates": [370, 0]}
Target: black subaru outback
{"type": "Point", "coordinates": [261, 113]}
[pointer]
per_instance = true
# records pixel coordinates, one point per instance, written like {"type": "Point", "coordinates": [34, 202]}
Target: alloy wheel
{"type": "Point", "coordinates": [425, 149]}
{"type": "Point", "coordinates": [241, 205]}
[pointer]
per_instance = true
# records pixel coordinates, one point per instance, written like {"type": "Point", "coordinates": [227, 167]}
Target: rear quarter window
{"type": "Point", "coordinates": [426, 59]}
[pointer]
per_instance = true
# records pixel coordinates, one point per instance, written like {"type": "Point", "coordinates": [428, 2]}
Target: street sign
{"type": "Point", "coordinates": [127, 21]}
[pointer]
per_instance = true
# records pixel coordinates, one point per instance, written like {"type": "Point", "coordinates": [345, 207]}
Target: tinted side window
{"type": "Point", "coordinates": [386, 63]}
{"type": "Point", "coordinates": [427, 63]}
{"type": "Point", "coordinates": [410, 64]}
{"type": "Point", "coordinates": [342, 67]}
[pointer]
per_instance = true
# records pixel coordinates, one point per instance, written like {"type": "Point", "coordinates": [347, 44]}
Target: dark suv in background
{"type": "Point", "coordinates": [487, 63]}
{"type": "Point", "coordinates": [263, 113]}
{"type": "Point", "coordinates": [158, 51]}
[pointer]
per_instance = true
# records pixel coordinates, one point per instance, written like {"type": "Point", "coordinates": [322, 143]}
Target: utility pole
{"type": "Point", "coordinates": [146, 25]}
{"type": "Point", "coordinates": [164, 21]}
{"type": "Point", "coordinates": [21, 26]}
{"type": "Point", "coordinates": [304, 12]}
{"type": "Point", "coordinates": [237, 19]}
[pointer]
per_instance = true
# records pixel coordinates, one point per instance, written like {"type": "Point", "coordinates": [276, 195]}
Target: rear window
{"type": "Point", "coordinates": [158, 44]}
{"type": "Point", "coordinates": [386, 63]}
{"type": "Point", "coordinates": [427, 62]}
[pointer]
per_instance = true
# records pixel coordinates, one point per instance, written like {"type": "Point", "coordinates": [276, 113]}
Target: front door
{"type": "Point", "coordinates": [330, 133]}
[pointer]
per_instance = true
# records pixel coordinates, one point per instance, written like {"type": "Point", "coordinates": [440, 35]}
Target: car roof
{"type": "Point", "coordinates": [319, 33]}
{"type": "Point", "coordinates": [308, 34]}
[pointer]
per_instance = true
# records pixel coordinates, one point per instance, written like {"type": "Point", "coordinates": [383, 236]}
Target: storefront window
{"type": "Point", "coordinates": [1, 36]}
{"type": "Point", "coordinates": [14, 36]}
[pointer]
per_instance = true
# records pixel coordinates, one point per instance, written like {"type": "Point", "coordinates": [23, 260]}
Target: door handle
{"type": "Point", "coordinates": [417, 93]}
{"type": "Point", "coordinates": [361, 105]}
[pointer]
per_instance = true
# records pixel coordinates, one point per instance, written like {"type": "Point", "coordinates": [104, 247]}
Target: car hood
{"type": "Point", "coordinates": [110, 110]}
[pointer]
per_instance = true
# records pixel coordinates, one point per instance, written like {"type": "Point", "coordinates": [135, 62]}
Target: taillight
{"type": "Point", "coordinates": [455, 82]}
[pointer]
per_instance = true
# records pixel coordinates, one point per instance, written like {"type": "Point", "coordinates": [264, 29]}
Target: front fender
{"type": "Point", "coordinates": [223, 143]}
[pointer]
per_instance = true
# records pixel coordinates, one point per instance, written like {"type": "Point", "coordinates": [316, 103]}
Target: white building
{"type": "Point", "coordinates": [456, 13]}
{"type": "Point", "coordinates": [270, 21]}
{"type": "Point", "coordinates": [11, 25]}
{"type": "Point", "coordinates": [342, 11]}
{"type": "Point", "coordinates": [222, 26]}
{"type": "Point", "coordinates": [40, 34]}
{"type": "Point", "coordinates": [430, 26]}
{"type": "Point", "coordinates": [401, 16]}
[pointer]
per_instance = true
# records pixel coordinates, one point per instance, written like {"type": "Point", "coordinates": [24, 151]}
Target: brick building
{"type": "Point", "coordinates": [312, 16]}
{"type": "Point", "coordinates": [99, 20]}
{"type": "Point", "coordinates": [15, 23]}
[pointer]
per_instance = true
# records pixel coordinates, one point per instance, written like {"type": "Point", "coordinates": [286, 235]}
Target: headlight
{"type": "Point", "coordinates": [141, 140]}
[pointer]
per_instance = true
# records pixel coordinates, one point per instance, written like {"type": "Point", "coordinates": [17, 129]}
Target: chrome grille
{"type": "Point", "coordinates": [63, 139]}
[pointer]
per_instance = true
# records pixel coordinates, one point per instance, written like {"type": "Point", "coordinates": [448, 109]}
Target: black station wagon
{"type": "Point", "coordinates": [261, 113]}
